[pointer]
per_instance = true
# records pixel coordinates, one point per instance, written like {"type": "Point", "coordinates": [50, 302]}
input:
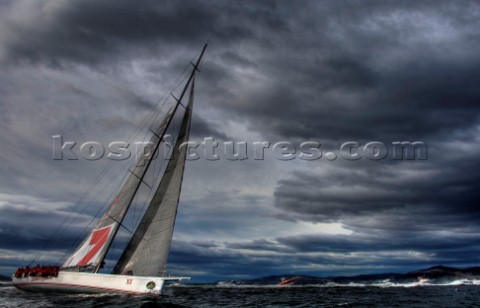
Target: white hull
{"type": "Point", "coordinates": [80, 282]}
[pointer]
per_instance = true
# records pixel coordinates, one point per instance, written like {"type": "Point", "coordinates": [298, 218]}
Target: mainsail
{"type": "Point", "coordinates": [147, 251]}
{"type": "Point", "coordinates": [93, 249]}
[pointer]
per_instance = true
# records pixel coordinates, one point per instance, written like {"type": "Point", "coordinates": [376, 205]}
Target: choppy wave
{"type": "Point", "coordinates": [455, 293]}
{"type": "Point", "coordinates": [381, 284]}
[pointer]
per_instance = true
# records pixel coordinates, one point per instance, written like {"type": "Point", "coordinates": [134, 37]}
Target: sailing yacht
{"type": "Point", "coordinates": [141, 267]}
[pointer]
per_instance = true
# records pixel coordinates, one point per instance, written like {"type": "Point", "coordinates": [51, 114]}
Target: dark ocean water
{"type": "Point", "coordinates": [264, 296]}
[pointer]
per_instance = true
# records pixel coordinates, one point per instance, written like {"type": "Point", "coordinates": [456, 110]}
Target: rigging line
{"type": "Point", "coordinates": [173, 86]}
{"type": "Point", "coordinates": [81, 234]}
{"type": "Point", "coordinates": [101, 209]}
{"type": "Point", "coordinates": [148, 121]}
{"type": "Point", "coordinates": [158, 107]}
{"type": "Point", "coordinates": [160, 159]}
{"type": "Point", "coordinates": [70, 218]}
{"type": "Point", "coordinates": [161, 167]}
{"type": "Point", "coordinates": [171, 118]}
{"type": "Point", "coordinates": [133, 134]}
{"type": "Point", "coordinates": [136, 220]}
{"type": "Point", "coordinates": [135, 206]}
{"type": "Point", "coordinates": [99, 192]}
{"type": "Point", "coordinates": [93, 219]}
{"type": "Point", "coordinates": [121, 225]}
{"type": "Point", "coordinates": [76, 210]}
{"type": "Point", "coordinates": [77, 207]}
{"type": "Point", "coordinates": [156, 148]}
{"type": "Point", "coordinates": [149, 161]}
{"type": "Point", "coordinates": [154, 179]}
{"type": "Point", "coordinates": [190, 103]}
{"type": "Point", "coordinates": [179, 162]}
{"type": "Point", "coordinates": [90, 203]}
{"type": "Point", "coordinates": [154, 118]}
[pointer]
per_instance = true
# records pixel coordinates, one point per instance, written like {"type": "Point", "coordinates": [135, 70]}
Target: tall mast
{"type": "Point", "coordinates": [178, 102]}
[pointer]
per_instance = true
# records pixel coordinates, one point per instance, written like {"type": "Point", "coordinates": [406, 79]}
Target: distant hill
{"type": "Point", "coordinates": [437, 274]}
{"type": "Point", "coordinates": [444, 270]}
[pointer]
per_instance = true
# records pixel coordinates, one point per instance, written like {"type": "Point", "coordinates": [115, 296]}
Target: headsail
{"type": "Point", "coordinates": [147, 251]}
{"type": "Point", "coordinates": [95, 246]}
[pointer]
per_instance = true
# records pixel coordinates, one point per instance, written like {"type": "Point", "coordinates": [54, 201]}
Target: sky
{"type": "Point", "coordinates": [276, 71]}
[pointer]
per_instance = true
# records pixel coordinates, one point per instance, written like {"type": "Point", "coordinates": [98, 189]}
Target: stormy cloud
{"type": "Point", "coordinates": [318, 71]}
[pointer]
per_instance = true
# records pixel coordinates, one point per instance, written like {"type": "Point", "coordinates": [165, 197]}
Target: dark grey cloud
{"type": "Point", "coordinates": [341, 195]}
{"type": "Point", "coordinates": [92, 31]}
{"type": "Point", "coordinates": [384, 241]}
{"type": "Point", "coordinates": [436, 193]}
{"type": "Point", "coordinates": [203, 129]}
{"type": "Point", "coordinates": [382, 74]}
{"type": "Point", "coordinates": [35, 233]}
{"type": "Point", "coordinates": [331, 254]}
{"type": "Point", "coordinates": [214, 264]}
